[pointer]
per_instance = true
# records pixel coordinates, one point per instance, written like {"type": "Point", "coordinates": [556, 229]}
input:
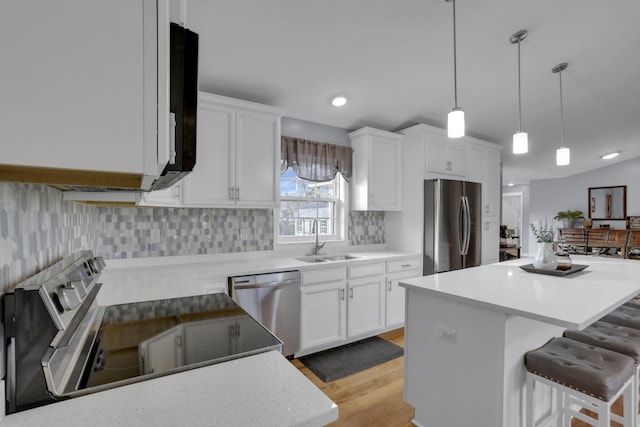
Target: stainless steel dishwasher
{"type": "Point", "coordinates": [274, 300]}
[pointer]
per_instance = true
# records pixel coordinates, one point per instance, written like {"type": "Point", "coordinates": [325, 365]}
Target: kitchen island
{"type": "Point", "coordinates": [467, 331]}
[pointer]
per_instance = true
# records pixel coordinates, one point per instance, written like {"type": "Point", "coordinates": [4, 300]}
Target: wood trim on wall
{"type": "Point", "coordinates": [40, 175]}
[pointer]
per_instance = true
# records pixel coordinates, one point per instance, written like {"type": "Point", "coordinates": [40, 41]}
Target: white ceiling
{"type": "Point", "coordinates": [394, 61]}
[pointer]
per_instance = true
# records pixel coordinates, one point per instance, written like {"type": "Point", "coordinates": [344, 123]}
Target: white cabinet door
{"type": "Point", "coordinates": [445, 156]}
{"type": "Point", "coordinates": [490, 240]}
{"type": "Point", "coordinates": [211, 181]}
{"type": "Point", "coordinates": [394, 316]}
{"type": "Point", "coordinates": [366, 306]}
{"type": "Point", "coordinates": [238, 155]}
{"type": "Point", "coordinates": [385, 174]}
{"type": "Point", "coordinates": [457, 159]}
{"type": "Point", "coordinates": [323, 314]}
{"type": "Point", "coordinates": [81, 77]}
{"type": "Point", "coordinates": [493, 198]}
{"type": "Point", "coordinates": [257, 159]}
{"type": "Point", "coordinates": [377, 176]}
{"type": "Point", "coordinates": [484, 167]}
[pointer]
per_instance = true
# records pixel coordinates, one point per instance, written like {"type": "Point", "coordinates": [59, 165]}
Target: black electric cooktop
{"type": "Point", "coordinates": [156, 337]}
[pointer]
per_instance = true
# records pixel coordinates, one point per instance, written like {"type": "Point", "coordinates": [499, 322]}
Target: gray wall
{"type": "Point", "coordinates": [315, 131]}
{"type": "Point", "coordinates": [552, 195]}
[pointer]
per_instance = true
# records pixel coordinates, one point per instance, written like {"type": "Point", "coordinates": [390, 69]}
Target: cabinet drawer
{"type": "Point", "coordinates": [366, 270]}
{"type": "Point", "coordinates": [322, 276]}
{"type": "Point", "coordinates": [402, 265]}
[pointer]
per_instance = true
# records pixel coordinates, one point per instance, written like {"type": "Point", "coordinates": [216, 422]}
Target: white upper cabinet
{"type": "Point", "coordinates": [484, 167]}
{"type": "Point", "coordinates": [376, 184]}
{"type": "Point", "coordinates": [82, 89]}
{"type": "Point", "coordinates": [238, 155]}
{"type": "Point", "coordinates": [445, 156]}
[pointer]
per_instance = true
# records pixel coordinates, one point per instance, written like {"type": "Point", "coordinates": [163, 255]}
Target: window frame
{"type": "Point", "coordinates": [340, 217]}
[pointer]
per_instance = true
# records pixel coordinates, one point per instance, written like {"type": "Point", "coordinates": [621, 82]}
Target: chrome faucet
{"type": "Point", "coordinates": [318, 245]}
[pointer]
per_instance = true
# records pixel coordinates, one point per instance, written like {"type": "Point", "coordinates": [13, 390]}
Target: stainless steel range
{"type": "Point", "coordinates": [62, 344]}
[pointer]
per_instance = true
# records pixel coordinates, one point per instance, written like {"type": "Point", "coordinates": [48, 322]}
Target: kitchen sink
{"type": "Point", "coordinates": [340, 257]}
{"type": "Point", "coordinates": [311, 259]}
{"type": "Point", "coordinates": [327, 258]}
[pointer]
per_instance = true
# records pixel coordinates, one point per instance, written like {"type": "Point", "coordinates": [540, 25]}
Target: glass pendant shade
{"type": "Point", "coordinates": [520, 143]}
{"type": "Point", "coordinates": [563, 156]}
{"type": "Point", "coordinates": [455, 125]}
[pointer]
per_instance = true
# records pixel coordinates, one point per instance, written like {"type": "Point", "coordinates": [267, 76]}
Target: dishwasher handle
{"type": "Point", "coordinates": [247, 284]}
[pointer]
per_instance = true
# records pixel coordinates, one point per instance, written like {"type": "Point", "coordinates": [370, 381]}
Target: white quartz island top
{"type": "Point", "coordinates": [262, 390]}
{"type": "Point", "coordinates": [572, 301]}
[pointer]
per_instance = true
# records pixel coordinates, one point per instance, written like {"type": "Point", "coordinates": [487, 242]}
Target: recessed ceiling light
{"type": "Point", "coordinates": [610, 156]}
{"type": "Point", "coordinates": [510, 184]}
{"type": "Point", "coordinates": [339, 101]}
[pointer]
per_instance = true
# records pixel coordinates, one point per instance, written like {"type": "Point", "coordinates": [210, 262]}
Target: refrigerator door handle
{"type": "Point", "coordinates": [462, 225]}
{"type": "Point", "coordinates": [466, 225]}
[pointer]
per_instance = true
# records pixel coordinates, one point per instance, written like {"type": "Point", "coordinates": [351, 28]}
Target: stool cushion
{"type": "Point", "coordinates": [612, 337]}
{"type": "Point", "coordinates": [624, 316]}
{"type": "Point", "coordinates": [595, 371]}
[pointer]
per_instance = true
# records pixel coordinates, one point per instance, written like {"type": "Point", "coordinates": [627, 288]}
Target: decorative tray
{"type": "Point", "coordinates": [574, 269]}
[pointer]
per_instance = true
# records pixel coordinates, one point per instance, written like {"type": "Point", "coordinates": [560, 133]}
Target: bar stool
{"type": "Point", "coordinates": [581, 375]}
{"type": "Point", "coordinates": [625, 315]}
{"type": "Point", "coordinates": [615, 338]}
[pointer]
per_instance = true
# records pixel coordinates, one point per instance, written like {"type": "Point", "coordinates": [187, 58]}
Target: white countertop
{"type": "Point", "coordinates": [572, 301]}
{"type": "Point", "coordinates": [142, 279]}
{"type": "Point", "coordinates": [261, 390]}
{"type": "Point", "coordinates": [273, 393]}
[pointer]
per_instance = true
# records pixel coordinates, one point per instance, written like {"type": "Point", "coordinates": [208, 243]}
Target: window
{"type": "Point", "coordinates": [301, 201]}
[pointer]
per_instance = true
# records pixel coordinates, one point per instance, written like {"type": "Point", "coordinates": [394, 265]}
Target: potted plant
{"type": "Point", "coordinates": [568, 217]}
{"type": "Point", "coordinates": [545, 258]}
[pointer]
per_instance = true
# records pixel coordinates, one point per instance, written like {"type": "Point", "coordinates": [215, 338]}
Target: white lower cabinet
{"type": "Point", "coordinates": [365, 311]}
{"type": "Point", "coordinates": [323, 310]}
{"type": "Point", "coordinates": [395, 301]}
{"type": "Point", "coordinates": [345, 304]}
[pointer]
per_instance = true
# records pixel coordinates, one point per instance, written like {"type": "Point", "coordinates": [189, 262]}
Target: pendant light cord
{"type": "Point", "coordinates": [561, 113]}
{"type": "Point", "coordinates": [455, 64]}
{"type": "Point", "coordinates": [519, 92]}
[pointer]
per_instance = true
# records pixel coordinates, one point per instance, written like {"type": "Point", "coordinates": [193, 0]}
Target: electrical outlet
{"type": "Point", "coordinates": [447, 334]}
{"type": "Point", "coordinates": [244, 234]}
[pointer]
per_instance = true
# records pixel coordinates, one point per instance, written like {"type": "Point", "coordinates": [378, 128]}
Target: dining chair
{"type": "Point", "coordinates": [633, 242]}
{"type": "Point", "coordinates": [597, 240]}
{"type": "Point", "coordinates": [573, 240]}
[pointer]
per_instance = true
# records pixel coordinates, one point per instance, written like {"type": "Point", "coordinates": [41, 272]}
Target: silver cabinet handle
{"type": "Point", "coordinates": [405, 265]}
{"type": "Point", "coordinates": [351, 292]}
{"type": "Point", "coordinates": [231, 193]}
{"type": "Point", "coordinates": [389, 285]}
{"type": "Point", "coordinates": [237, 193]}
{"type": "Point", "coordinates": [342, 294]}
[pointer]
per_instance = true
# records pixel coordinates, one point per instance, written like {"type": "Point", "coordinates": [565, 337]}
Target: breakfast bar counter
{"type": "Point", "coordinates": [467, 331]}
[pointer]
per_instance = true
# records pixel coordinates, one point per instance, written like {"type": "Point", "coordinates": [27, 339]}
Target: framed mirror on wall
{"type": "Point", "coordinates": [608, 203]}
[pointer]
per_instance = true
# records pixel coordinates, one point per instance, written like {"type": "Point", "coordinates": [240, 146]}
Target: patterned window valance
{"type": "Point", "coordinates": [315, 161]}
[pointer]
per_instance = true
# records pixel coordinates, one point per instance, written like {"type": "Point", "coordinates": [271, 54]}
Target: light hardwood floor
{"type": "Point", "coordinates": [372, 397]}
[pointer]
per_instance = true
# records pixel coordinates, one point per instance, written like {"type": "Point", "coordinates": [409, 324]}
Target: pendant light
{"type": "Point", "coordinates": [563, 154]}
{"type": "Point", "coordinates": [520, 138]}
{"type": "Point", "coordinates": [455, 120]}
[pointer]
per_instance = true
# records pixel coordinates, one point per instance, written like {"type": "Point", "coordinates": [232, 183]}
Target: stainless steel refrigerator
{"type": "Point", "coordinates": [452, 225]}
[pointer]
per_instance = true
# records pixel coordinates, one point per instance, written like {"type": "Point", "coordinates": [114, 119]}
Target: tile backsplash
{"type": "Point", "coordinates": [128, 232]}
{"type": "Point", "coordinates": [37, 228]}
{"type": "Point", "coordinates": [366, 227]}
